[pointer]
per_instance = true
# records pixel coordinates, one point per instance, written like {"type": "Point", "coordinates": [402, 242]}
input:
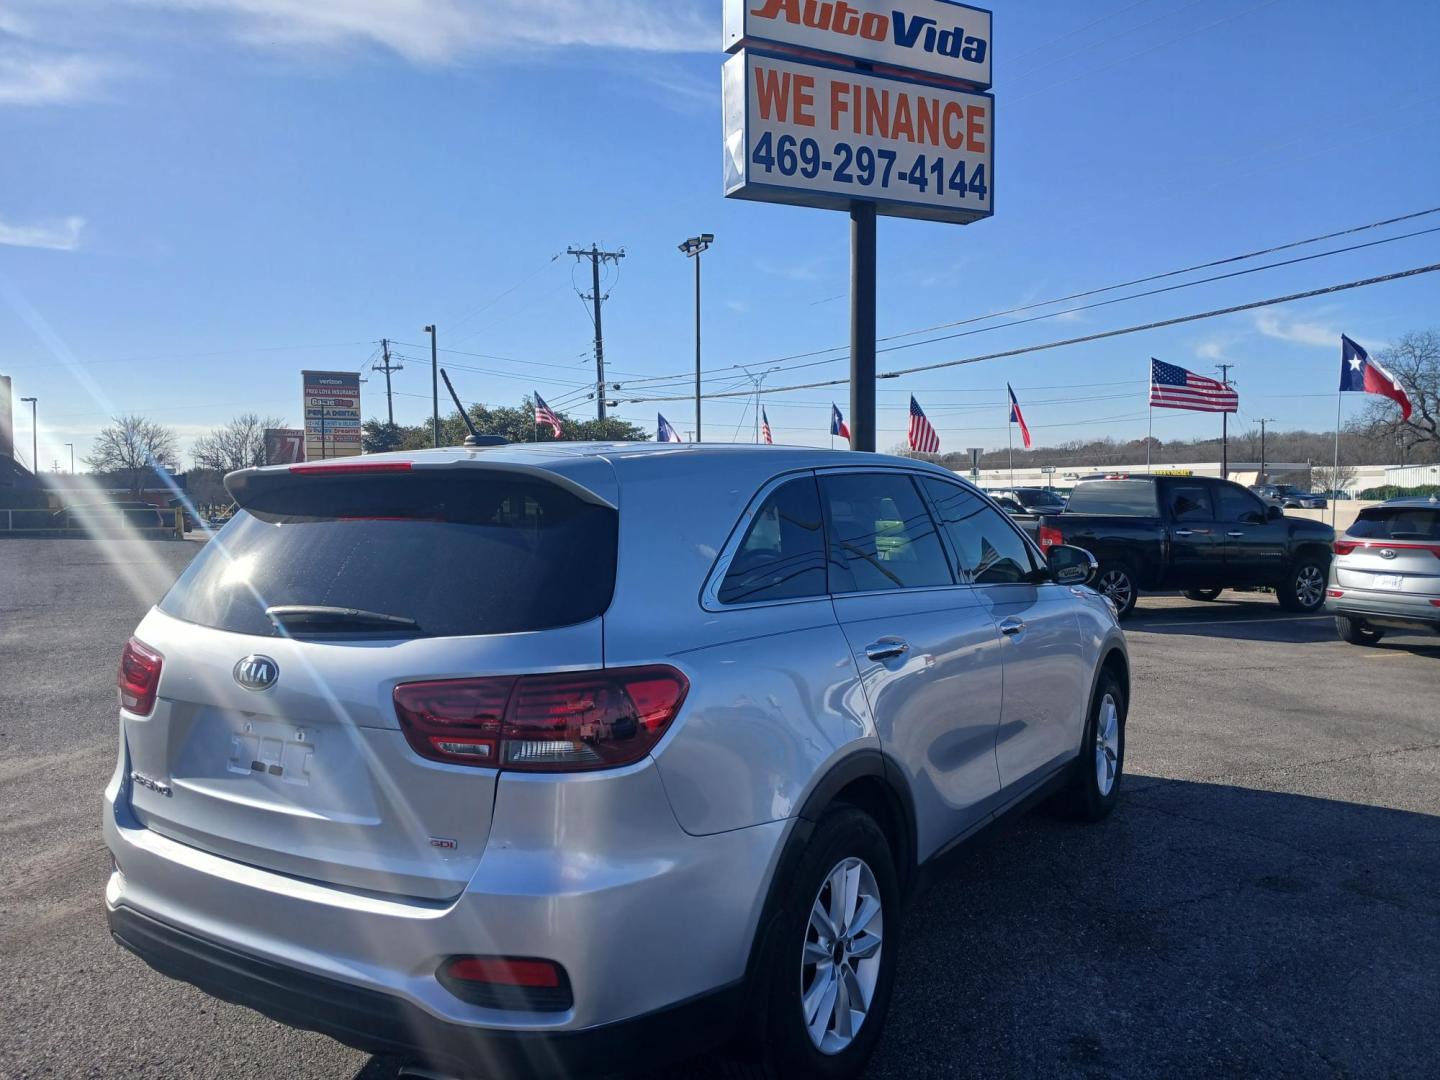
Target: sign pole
{"type": "Point", "coordinates": [1335, 472]}
{"type": "Point", "coordinates": [862, 326]}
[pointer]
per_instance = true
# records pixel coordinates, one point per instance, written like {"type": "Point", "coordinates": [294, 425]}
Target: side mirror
{"type": "Point", "coordinates": [1275, 513]}
{"type": "Point", "coordinates": [1071, 565]}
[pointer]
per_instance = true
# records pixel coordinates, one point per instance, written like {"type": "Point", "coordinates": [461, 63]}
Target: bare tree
{"type": "Point", "coordinates": [132, 447]}
{"type": "Point", "coordinates": [240, 444]}
{"type": "Point", "coordinates": [1329, 479]}
{"type": "Point", "coordinates": [1415, 361]}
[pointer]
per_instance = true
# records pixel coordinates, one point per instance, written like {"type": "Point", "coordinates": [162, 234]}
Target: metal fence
{"type": "Point", "coordinates": [59, 523]}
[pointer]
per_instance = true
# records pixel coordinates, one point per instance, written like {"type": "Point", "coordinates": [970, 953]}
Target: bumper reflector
{"type": "Point", "coordinates": [503, 982]}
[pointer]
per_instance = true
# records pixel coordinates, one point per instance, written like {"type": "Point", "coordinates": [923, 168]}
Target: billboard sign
{"type": "Point", "coordinates": [935, 37]}
{"type": "Point", "coordinates": [332, 414]}
{"type": "Point", "coordinates": [813, 134]}
{"type": "Point", "coordinates": [284, 446]}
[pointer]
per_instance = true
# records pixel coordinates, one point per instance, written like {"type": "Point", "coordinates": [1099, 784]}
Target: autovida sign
{"type": "Point", "coordinates": [936, 37]}
{"type": "Point", "coordinates": [832, 102]}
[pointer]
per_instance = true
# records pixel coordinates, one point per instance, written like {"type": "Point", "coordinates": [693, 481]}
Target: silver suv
{"type": "Point", "coordinates": [1386, 572]}
{"type": "Point", "coordinates": [571, 759]}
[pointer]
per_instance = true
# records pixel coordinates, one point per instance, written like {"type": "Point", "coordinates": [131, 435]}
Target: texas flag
{"type": "Point", "coordinates": [1017, 417]}
{"type": "Point", "coordinates": [837, 423]}
{"type": "Point", "coordinates": [666, 432]}
{"type": "Point", "coordinates": [1361, 375]}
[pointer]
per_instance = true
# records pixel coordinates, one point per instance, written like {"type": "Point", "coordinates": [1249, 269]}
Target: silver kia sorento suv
{"type": "Point", "coordinates": [559, 760]}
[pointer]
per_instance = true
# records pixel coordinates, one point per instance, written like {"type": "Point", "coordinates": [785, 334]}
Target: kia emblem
{"type": "Point", "coordinates": [257, 672]}
{"type": "Point", "coordinates": [1389, 553]}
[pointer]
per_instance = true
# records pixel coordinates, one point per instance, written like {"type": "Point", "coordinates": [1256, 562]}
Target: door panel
{"type": "Point", "coordinates": [1046, 672]}
{"type": "Point", "coordinates": [1196, 542]}
{"type": "Point", "coordinates": [937, 704]}
{"type": "Point", "coordinates": [1254, 546]}
{"type": "Point", "coordinates": [927, 651]}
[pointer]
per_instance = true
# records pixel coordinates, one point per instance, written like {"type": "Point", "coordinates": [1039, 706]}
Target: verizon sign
{"type": "Point", "coordinates": [936, 37]}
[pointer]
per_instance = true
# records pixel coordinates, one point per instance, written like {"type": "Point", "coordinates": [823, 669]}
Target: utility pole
{"type": "Point", "coordinates": [435, 382]}
{"type": "Point", "coordinates": [1225, 427]}
{"type": "Point", "coordinates": [597, 258]}
{"type": "Point", "coordinates": [387, 368]}
{"type": "Point", "coordinates": [862, 326]}
{"type": "Point", "coordinates": [1262, 422]}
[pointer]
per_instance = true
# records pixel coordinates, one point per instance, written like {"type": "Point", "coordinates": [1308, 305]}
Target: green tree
{"type": "Point", "coordinates": [514, 423]}
{"type": "Point", "coordinates": [380, 436]}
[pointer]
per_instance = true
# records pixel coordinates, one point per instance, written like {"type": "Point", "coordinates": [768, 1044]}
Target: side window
{"type": "Point", "coordinates": [1237, 504]}
{"type": "Point", "coordinates": [783, 555]}
{"type": "Point", "coordinates": [988, 546]}
{"type": "Point", "coordinates": [881, 534]}
{"type": "Point", "coordinates": [1190, 502]}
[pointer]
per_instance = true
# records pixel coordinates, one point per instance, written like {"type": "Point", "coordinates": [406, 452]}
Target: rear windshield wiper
{"type": "Point", "coordinates": [317, 618]}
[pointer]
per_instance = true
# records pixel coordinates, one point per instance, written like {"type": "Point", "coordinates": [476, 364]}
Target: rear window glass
{"type": "Point", "coordinates": [1121, 498]}
{"type": "Point", "coordinates": [1397, 523]}
{"type": "Point", "coordinates": [783, 554]}
{"type": "Point", "coordinates": [452, 553]}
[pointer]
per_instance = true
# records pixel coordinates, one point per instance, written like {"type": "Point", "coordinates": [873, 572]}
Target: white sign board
{"type": "Point", "coordinates": [332, 414]}
{"type": "Point", "coordinates": [938, 37]}
{"type": "Point", "coordinates": [815, 135]}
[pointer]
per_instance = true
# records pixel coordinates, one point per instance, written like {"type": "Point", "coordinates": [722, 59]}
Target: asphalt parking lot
{"type": "Point", "coordinates": [1265, 902]}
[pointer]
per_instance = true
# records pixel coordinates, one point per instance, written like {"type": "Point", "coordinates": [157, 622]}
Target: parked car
{"type": "Point", "coordinates": [1036, 500]}
{"type": "Point", "coordinates": [1196, 534]}
{"type": "Point", "coordinates": [1386, 573]}
{"type": "Point", "coordinates": [459, 756]}
{"type": "Point", "coordinates": [1028, 520]}
{"type": "Point", "coordinates": [1290, 497]}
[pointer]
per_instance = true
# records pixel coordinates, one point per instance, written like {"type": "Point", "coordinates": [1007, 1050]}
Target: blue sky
{"type": "Point", "coordinates": [201, 198]}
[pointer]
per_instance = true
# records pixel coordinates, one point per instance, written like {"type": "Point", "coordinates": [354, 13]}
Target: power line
{"type": "Point", "coordinates": [1228, 260]}
{"type": "Point", "coordinates": [1102, 335]}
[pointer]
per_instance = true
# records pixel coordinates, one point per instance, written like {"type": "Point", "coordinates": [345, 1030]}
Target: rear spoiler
{"type": "Point", "coordinates": [249, 487]}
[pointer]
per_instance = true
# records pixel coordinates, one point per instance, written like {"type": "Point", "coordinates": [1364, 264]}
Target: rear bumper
{"type": "Point", "coordinates": [379, 1023]}
{"type": "Point", "coordinates": [1386, 609]}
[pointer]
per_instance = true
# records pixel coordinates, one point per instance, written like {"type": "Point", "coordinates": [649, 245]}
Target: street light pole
{"type": "Point", "coordinates": [693, 248]}
{"type": "Point", "coordinates": [71, 445]}
{"type": "Point", "coordinates": [34, 438]}
{"type": "Point", "coordinates": [435, 383]}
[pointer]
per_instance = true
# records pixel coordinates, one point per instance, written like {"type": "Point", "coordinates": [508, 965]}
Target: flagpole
{"type": "Point", "coordinates": [1010, 434]}
{"type": "Point", "coordinates": [1150, 435]}
{"type": "Point", "coordinates": [1335, 472]}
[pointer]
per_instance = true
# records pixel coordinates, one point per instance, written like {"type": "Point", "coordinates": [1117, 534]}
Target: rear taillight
{"type": "Point", "coordinates": [1345, 547]}
{"type": "Point", "coordinates": [571, 722]}
{"type": "Point", "coordinates": [139, 677]}
{"type": "Point", "coordinates": [505, 982]}
{"type": "Point", "coordinates": [1051, 536]}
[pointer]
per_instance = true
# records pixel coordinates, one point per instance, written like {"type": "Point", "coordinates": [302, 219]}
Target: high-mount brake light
{"type": "Point", "coordinates": [569, 722]}
{"type": "Point", "coordinates": [1051, 536]}
{"type": "Point", "coordinates": [352, 467]}
{"type": "Point", "coordinates": [139, 677]}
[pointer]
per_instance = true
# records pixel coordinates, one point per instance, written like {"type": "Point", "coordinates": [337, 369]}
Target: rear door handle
{"type": "Point", "coordinates": [1012, 628]}
{"type": "Point", "coordinates": [1235, 535]}
{"type": "Point", "coordinates": [1183, 532]}
{"type": "Point", "coordinates": [887, 649]}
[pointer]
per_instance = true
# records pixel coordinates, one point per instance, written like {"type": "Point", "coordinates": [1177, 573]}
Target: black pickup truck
{"type": "Point", "coordinates": [1195, 534]}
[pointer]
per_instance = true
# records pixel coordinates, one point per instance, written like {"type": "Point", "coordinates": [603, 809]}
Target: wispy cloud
{"type": "Point", "coordinates": [32, 77]}
{"type": "Point", "coordinates": [63, 235]}
{"type": "Point", "coordinates": [1298, 333]}
{"type": "Point", "coordinates": [800, 270]}
{"type": "Point", "coordinates": [442, 31]}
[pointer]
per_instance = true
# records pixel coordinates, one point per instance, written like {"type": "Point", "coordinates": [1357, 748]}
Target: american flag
{"type": "Point", "coordinates": [765, 428]}
{"type": "Point", "coordinates": [923, 439]}
{"type": "Point", "coordinates": [546, 415]}
{"type": "Point", "coordinates": [1173, 387]}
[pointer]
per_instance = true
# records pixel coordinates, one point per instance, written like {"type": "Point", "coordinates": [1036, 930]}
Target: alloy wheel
{"type": "Point", "coordinates": [840, 963]}
{"type": "Point", "coordinates": [1107, 745]}
{"type": "Point", "coordinates": [1310, 586]}
{"type": "Point", "coordinates": [1115, 585]}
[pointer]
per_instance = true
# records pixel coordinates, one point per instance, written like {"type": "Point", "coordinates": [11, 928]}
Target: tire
{"type": "Point", "coordinates": [1203, 594]}
{"type": "Point", "coordinates": [1094, 788]}
{"type": "Point", "coordinates": [1303, 588]}
{"type": "Point", "coordinates": [847, 845]}
{"type": "Point", "coordinates": [1357, 631]}
{"type": "Point", "coordinates": [1117, 582]}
